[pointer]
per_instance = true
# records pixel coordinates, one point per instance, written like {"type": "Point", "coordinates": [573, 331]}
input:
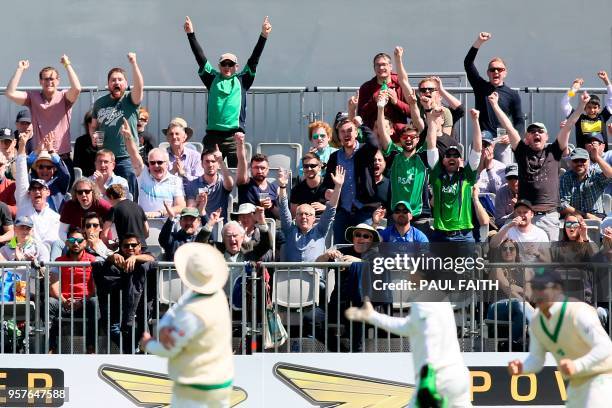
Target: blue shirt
{"type": "Point", "coordinates": [390, 234]}
{"type": "Point", "coordinates": [349, 188]}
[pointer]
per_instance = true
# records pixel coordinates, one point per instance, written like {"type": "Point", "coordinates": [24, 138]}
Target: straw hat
{"type": "Point", "coordinates": [201, 267]}
{"type": "Point", "coordinates": [351, 230]}
{"type": "Point", "coordinates": [182, 123]}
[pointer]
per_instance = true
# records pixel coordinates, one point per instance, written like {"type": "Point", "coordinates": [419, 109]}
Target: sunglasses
{"type": "Point", "coordinates": [572, 224]}
{"type": "Point", "coordinates": [45, 166]}
{"type": "Point", "coordinates": [496, 69]}
{"type": "Point", "coordinates": [156, 162]}
{"type": "Point", "coordinates": [452, 155]}
{"type": "Point", "coordinates": [227, 64]}
{"type": "Point", "coordinates": [579, 161]}
{"type": "Point", "coordinates": [535, 130]}
{"type": "Point", "coordinates": [143, 119]}
{"type": "Point", "coordinates": [310, 166]}
{"type": "Point", "coordinates": [427, 90]}
{"type": "Point", "coordinates": [79, 192]}
{"type": "Point", "coordinates": [75, 240]}
{"type": "Point", "coordinates": [92, 225]}
{"type": "Point", "coordinates": [508, 249]}
{"type": "Point", "coordinates": [401, 211]}
{"type": "Point", "coordinates": [319, 136]}
{"type": "Point", "coordinates": [364, 236]}
{"type": "Point", "coordinates": [130, 245]}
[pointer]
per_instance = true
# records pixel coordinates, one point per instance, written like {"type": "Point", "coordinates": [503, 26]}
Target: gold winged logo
{"type": "Point", "coordinates": [326, 389]}
{"type": "Point", "coordinates": [148, 389]}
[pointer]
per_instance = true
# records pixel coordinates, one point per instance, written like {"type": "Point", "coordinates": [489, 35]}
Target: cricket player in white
{"type": "Point", "coordinates": [572, 332]}
{"type": "Point", "coordinates": [196, 334]}
{"type": "Point", "coordinates": [433, 339]}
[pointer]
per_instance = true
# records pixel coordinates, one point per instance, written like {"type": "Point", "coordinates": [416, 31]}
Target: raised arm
{"type": "Point", "coordinates": [402, 75]}
{"type": "Point", "coordinates": [198, 53]}
{"type": "Point", "coordinates": [476, 133]}
{"type": "Point", "coordinates": [75, 85]}
{"type": "Point", "coordinates": [481, 214]}
{"type": "Point", "coordinates": [504, 121]}
{"type": "Point", "coordinates": [137, 92]}
{"type": "Point", "coordinates": [266, 29]}
{"type": "Point", "coordinates": [338, 179]}
{"type": "Point", "coordinates": [131, 147]}
{"type": "Point", "coordinates": [283, 201]}
{"type": "Point", "coordinates": [242, 173]}
{"type": "Point", "coordinates": [18, 97]}
{"type": "Point", "coordinates": [564, 133]}
{"type": "Point", "coordinates": [432, 129]}
{"type": "Point", "coordinates": [566, 106]}
{"type": "Point", "coordinates": [451, 100]}
{"type": "Point", "coordinates": [468, 62]}
{"type": "Point", "coordinates": [603, 75]}
{"type": "Point", "coordinates": [228, 177]}
{"type": "Point", "coordinates": [384, 138]}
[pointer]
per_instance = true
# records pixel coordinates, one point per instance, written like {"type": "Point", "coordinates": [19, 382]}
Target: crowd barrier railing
{"type": "Point", "coordinates": [308, 299]}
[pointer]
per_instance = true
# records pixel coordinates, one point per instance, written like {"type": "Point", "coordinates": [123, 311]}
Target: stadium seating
{"type": "Point", "coordinates": [282, 155]}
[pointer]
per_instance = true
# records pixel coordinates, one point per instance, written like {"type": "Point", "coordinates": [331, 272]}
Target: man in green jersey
{"type": "Point", "coordinates": [452, 183]}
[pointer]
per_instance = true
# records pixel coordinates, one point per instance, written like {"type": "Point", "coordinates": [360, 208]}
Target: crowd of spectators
{"type": "Point", "coordinates": [389, 170]}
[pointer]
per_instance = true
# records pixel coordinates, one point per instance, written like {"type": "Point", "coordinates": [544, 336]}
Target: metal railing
{"type": "Point", "coordinates": [309, 298]}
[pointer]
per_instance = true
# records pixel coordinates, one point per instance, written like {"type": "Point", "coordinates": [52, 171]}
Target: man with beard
{"type": "Point", "coordinates": [51, 108]}
{"type": "Point", "coordinates": [400, 231]}
{"type": "Point", "coordinates": [310, 190]}
{"type": "Point", "coordinates": [581, 189]}
{"type": "Point", "coordinates": [109, 112]}
{"type": "Point", "coordinates": [179, 231]}
{"type": "Point", "coordinates": [538, 164]}
{"type": "Point", "coordinates": [156, 185]}
{"type": "Point", "coordinates": [305, 240]}
{"type": "Point", "coordinates": [509, 100]}
{"type": "Point", "coordinates": [571, 332]}
{"type": "Point", "coordinates": [452, 183]}
{"type": "Point", "coordinates": [211, 190]}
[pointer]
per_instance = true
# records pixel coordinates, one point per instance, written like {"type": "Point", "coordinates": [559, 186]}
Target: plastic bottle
{"type": "Point", "coordinates": [572, 92]}
{"type": "Point", "coordinates": [383, 88]}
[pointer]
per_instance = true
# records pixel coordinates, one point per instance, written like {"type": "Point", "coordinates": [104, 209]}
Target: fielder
{"type": "Point", "coordinates": [438, 365]}
{"type": "Point", "coordinates": [196, 334]}
{"type": "Point", "coordinates": [572, 332]}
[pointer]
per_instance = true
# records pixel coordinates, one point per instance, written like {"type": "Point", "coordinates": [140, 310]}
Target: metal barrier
{"type": "Point", "coordinates": [309, 298]}
{"type": "Point", "coordinates": [281, 114]}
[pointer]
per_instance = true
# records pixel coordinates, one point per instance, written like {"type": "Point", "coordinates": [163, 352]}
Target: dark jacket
{"type": "Point", "coordinates": [173, 236]}
{"type": "Point", "coordinates": [251, 251]}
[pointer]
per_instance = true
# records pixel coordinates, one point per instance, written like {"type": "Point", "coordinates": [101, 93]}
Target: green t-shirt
{"type": "Point", "coordinates": [408, 178]}
{"type": "Point", "coordinates": [109, 113]}
{"type": "Point", "coordinates": [225, 99]}
{"type": "Point", "coordinates": [452, 198]}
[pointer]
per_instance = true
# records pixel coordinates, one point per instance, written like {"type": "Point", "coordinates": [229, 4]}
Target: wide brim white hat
{"type": "Point", "coordinates": [201, 267]}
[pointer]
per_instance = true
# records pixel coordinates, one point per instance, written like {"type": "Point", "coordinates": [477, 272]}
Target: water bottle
{"type": "Point", "coordinates": [384, 87]}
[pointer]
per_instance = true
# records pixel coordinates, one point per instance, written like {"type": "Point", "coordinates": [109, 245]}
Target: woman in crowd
{"type": "Point", "coordinates": [319, 135]}
{"type": "Point", "coordinates": [85, 148]}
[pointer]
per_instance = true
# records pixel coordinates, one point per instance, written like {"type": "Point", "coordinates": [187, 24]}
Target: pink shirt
{"type": "Point", "coordinates": [51, 116]}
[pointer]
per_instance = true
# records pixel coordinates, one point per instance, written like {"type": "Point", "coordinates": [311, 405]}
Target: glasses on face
{"type": "Point", "coordinates": [227, 64]}
{"type": "Point", "coordinates": [92, 225]}
{"type": "Point", "coordinates": [156, 162]}
{"type": "Point", "coordinates": [36, 188]}
{"type": "Point", "coordinates": [79, 192]}
{"type": "Point", "coordinates": [130, 245]}
{"type": "Point", "coordinates": [143, 119]}
{"type": "Point", "coordinates": [572, 224]}
{"type": "Point", "coordinates": [362, 235]}
{"type": "Point", "coordinates": [496, 69]}
{"type": "Point", "coordinates": [509, 248]}
{"type": "Point", "coordinates": [579, 161]}
{"type": "Point", "coordinates": [46, 167]}
{"type": "Point", "coordinates": [535, 130]}
{"type": "Point", "coordinates": [452, 155]}
{"type": "Point", "coordinates": [427, 90]}
{"type": "Point", "coordinates": [401, 211]}
{"type": "Point", "coordinates": [319, 136]}
{"type": "Point", "coordinates": [72, 241]}
{"type": "Point", "coordinates": [594, 142]}
{"type": "Point", "coordinates": [310, 166]}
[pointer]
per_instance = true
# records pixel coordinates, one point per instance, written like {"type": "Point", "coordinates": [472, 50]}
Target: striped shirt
{"type": "Point", "coordinates": [584, 195]}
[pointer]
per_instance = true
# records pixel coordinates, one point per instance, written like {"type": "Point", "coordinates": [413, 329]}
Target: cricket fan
{"type": "Point", "coordinates": [571, 331]}
{"type": "Point", "coordinates": [195, 334]}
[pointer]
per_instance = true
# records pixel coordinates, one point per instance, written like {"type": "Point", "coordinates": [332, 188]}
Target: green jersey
{"type": "Point", "coordinates": [408, 179]}
{"type": "Point", "coordinates": [109, 113]}
{"type": "Point", "coordinates": [452, 198]}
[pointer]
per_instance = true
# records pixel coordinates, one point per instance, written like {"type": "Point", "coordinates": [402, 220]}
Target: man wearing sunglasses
{"type": "Point", "coordinates": [538, 164]}
{"type": "Point", "coordinates": [581, 188]}
{"type": "Point", "coordinates": [50, 167]}
{"type": "Point", "coordinates": [572, 333]}
{"type": "Point", "coordinates": [72, 291]}
{"type": "Point", "coordinates": [400, 231]}
{"type": "Point", "coordinates": [310, 190]}
{"type": "Point", "coordinates": [227, 90]}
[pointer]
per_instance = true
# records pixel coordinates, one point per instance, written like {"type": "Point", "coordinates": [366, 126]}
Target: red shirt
{"type": "Point", "coordinates": [7, 194]}
{"type": "Point", "coordinates": [82, 282]}
{"type": "Point", "coordinates": [72, 213]}
{"type": "Point", "coordinates": [368, 95]}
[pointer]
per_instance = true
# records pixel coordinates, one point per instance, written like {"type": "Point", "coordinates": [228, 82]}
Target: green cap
{"type": "Point", "coordinates": [190, 212]}
{"type": "Point", "coordinates": [405, 203]}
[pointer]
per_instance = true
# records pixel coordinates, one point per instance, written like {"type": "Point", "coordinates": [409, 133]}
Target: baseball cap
{"type": "Point", "coordinates": [525, 203]}
{"type": "Point", "coordinates": [512, 170]}
{"type": "Point", "coordinates": [43, 156]}
{"type": "Point", "coordinates": [190, 212]}
{"type": "Point", "coordinates": [23, 116]}
{"type": "Point", "coordinates": [487, 137]}
{"type": "Point", "coordinates": [229, 57]}
{"type": "Point", "coordinates": [543, 277]}
{"type": "Point", "coordinates": [538, 125]}
{"type": "Point", "coordinates": [341, 119]}
{"type": "Point", "coordinates": [245, 208]}
{"type": "Point", "coordinates": [6, 134]}
{"type": "Point", "coordinates": [404, 203]}
{"type": "Point", "coordinates": [40, 182]}
{"type": "Point", "coordinates": [24, 220]}
{"type": "Point", "coordinates": [457, 147]}
{"type": "Point", "coordinates": [595, 135]}
{"type": "Point", "coordinates": [579, 153]}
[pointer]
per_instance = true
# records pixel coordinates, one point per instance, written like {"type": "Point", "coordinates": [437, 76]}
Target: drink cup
{"type": "Point", "coordinates": [99, 138]}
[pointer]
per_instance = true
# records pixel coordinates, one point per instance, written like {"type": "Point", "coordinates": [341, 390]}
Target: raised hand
{"type": "Point", "coordinates": [493, 98]}
{"type": "Point", "coordinates": [23, 64]}
{"type": "Point", "coordinates": [438, 82]}
{"type": "Point", "coordinates": [266, 27]}
{"type": "Point", "coordinates": [398, 52]}
{"type": "Point", "coordinates": [603, 75]}
{"type": "Point", "coordinates": [585, 98]}
{"type": "Point", "coordinates": [64, 60]}
{"type": "Point", "coordinates": [125, 130]}
{"type": "Point", "coordinates": [283, 178]}
{"type": "Point", "coordinates": [260, 215]}
{"type": "Point", "coordinates": [392, 96]}
{"type": "Point", "coordinates": [338, 177]}
{"type": "Point", "coordinates": [483, 37]}
{"type": "Point", "coordinates": [169, 210]}
{"type": "Point", "coordinates": [474, 114]}
{"type": "Point", "coordinates": [353, 102]}
{"type": "Point", "coordinates": [378, 215]}
{"type": "Point", "coordinates": [217, 154]}
{"type": "Point", "coordinates": [382, 99]}
{"type": "Point", "coordinates": [214, 217]}
{"type": "Point", "coordinates": [188, 26]}
{"type": "Point", "coordinates": [361, 314]}
{"type": "Point", "coordinates": [131, 57]}
{"type": "Point", "coordinates": [577, 84]}
{"type": "Point", "coordinates": [411, 97]}
{"type": "Point", "coordinates": [239, 138]}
